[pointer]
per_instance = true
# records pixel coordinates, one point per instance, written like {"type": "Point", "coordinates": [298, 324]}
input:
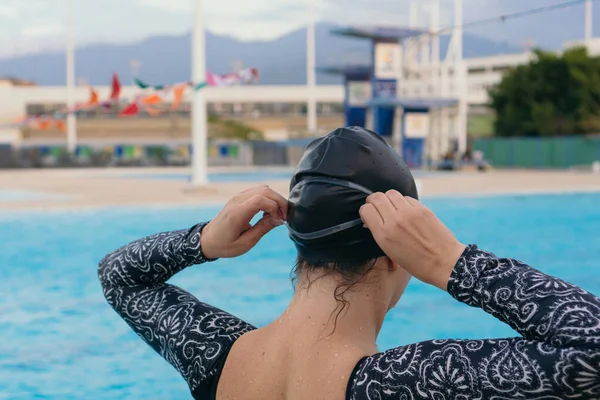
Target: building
{"type": "Point", "coordinates": [10, 81]}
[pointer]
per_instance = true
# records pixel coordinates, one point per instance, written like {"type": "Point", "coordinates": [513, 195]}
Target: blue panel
{"type": "Point", "coordinates": [412, 151]}
{"type": "Point", "coordinates": [384, 89]}
{"type": "Point", "coordinates": [356, 116]}
{"type": "Point", "coordinates": [383, 117]}
{"type": "Point", "coordinates": [223, 151]}
{"type": "Point", "coordinates": [384, 121]}
{"type": "Point", "coordinates": [119, 151]}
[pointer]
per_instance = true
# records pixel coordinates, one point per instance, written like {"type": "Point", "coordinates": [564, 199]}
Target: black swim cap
{"type": "Point", "coordinates": [331, 182]}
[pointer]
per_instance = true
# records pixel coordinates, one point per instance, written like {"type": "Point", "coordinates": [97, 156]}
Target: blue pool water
{"type": "Point", "coordinates": [60, 340]}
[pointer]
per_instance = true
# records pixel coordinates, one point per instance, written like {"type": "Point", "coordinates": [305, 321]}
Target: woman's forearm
{"type": "Point", "coordinates": [538, 306]}
{"type": "Point", "coordinates": [152, 260]}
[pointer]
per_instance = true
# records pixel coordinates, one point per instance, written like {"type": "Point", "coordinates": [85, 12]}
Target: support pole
{"type": "Point", "coordinates": [589, 22]}
{"type": "Point", "coordinates": [70, 61]}
{"type": "Point", "coordinates": [199, 126]}
{"type": "Point", "coordinates": [460, 75]}
{"type": "Point", "coordinates": [436, 115]}
{"type": "Point", "coordinates": [311, 74]}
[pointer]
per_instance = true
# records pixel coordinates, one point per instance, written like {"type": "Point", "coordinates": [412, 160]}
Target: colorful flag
{"type": "Point", "coordinates": [93, 101]}
{"type": "Point", "coordinates": [60, 125]}
{"type": "Point", "coordinates": [131, 110]}
{"type": "Point", "coordinates": [178, 92]}
{"type": "Point", "coordinates": [153, 99]}
{"type": "Point", "coordinates": [116, 88]}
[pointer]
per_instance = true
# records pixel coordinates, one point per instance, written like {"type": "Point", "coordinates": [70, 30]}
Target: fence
{"type": "Point", "coordinates": [559, 152]}
{"type": "Point", "coordinates": [219, 153]}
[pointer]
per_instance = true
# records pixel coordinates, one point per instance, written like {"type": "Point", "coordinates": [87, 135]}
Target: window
{"type": "Point", "coordinates": [37, 109]}
{"type": "Point", "coordinates": [500, 68]}
{"type": "Point", "coordinates": [477, 70]}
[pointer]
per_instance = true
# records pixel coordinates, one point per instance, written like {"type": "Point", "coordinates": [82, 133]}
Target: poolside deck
{"type": "Point", "coordinates": [91, 188]}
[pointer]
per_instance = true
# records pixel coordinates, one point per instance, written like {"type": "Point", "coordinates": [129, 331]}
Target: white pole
{"type": "Point", "coordinates": [458, 30]}
{"type": "Point", "coordinates": [71, 120]}
{"type": "Point", "coordinates": [460, 83]}
{"type": "Point", "coordinates": [435, 38]}
{"type": "Point", "coordinates": [436, 124]}
{"type": "Point", "coordinates": [199, 127]}
{"type": "Point", "coordinates": [589, 22]}
{"type": "Point", "coordinates": [397, 128]}
{"type": "Point", "coordinates": [135, 68]}
{"type": "Point", "coordinates": [311, 74]}
{"type": "Point", "coordinates": [412, 14]}
{"type": "Point", "coordinates": [412, 44]}
{"type": "Point", "coordinates": [444, 91]}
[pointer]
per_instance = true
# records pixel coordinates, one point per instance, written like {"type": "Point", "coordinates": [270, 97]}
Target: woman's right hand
{"type": "Point", "coordinates": [230, 234]}
{"type": "Point", "coordinates": [412, 236]}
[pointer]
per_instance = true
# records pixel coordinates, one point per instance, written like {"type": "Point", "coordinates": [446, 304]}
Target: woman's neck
{"type": "Point", "coordinates": [315, 313]}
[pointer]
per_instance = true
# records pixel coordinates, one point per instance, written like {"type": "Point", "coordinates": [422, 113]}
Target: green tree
{"type": "Point", "coordinates": [552, 95]}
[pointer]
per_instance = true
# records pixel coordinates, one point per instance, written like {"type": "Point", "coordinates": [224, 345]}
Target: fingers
{"type": "Point", "coordinates": [267, 192]}
{"type": "Point", "coordinates": [383, 205]}
{"type": "Point", "coordinates": [270, 219]}
{"type": "Point", "coordinates": [397, 199]}
{"type": "Point", "coordinates": [253, 235]}
{"type": "Point", "coordinates": [370, 216]}
{"type": "Point", "coordinates": [282, 203]}
{"type": "Point", "coordinates": [413, 202]}
{"type": "Point", "coordinates": [258, 203]}
{"type": "Point", "coordinates": [247, 193]}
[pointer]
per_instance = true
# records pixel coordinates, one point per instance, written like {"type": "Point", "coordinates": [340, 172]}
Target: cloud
{"type": "Point", "coordinates": [255, 30]}
{"type": "Point", "coordinates": [28, 24]}
{"type": "Point", "coordinates": [8, 12]}
{"type": "Point", "coordinates": [43, 30]}
{"type": "Point", "coordinates": [175, 6]}
{"type": "Point", "coordinates": [247, 20]}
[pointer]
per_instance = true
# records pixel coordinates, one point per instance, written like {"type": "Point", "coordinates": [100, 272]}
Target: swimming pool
{"type": "Point", "coordinates": [60, 340]}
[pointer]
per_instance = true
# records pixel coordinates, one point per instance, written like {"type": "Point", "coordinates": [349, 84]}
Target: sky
{"type": "Point", "coordinates": [28, 26]}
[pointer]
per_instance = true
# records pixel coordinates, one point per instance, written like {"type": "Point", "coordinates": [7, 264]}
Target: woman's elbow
{"type": "Point", "coordinates": [104, 268]}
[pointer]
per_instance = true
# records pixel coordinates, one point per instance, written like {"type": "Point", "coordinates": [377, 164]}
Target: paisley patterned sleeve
{"type": "Point", "coordinates": [557, 357]}
{"type": "Point", "coordinates": [192, 336]}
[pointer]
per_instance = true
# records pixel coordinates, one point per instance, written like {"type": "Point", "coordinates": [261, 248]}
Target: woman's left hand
{"type": "Point", "coordinates": [230, 234]}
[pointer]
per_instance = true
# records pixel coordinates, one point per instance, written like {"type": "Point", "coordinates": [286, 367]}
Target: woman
{"type": "Point", "coordinates": [356, 253]}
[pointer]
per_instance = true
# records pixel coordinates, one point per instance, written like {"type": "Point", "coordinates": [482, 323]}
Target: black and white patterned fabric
{"type": "Point", "coordinates": [557, 357]}
{"type": "Point", "coordinates": [192, 336]}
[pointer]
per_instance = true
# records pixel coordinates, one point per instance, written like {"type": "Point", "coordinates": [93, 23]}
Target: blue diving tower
{"type": "Point", "coordinates": [371, 90]}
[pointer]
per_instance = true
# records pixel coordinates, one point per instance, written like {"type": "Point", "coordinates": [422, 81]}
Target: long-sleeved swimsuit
{"type": "Point", "coordinates": [557, 355]}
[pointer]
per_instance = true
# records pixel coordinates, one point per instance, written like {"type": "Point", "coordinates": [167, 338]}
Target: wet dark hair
{"type": "Point", "coordinates": [351, 273]}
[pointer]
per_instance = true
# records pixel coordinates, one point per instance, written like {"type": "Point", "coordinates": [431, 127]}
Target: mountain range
{"type": "Point", "coordinates": [166, 59]}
